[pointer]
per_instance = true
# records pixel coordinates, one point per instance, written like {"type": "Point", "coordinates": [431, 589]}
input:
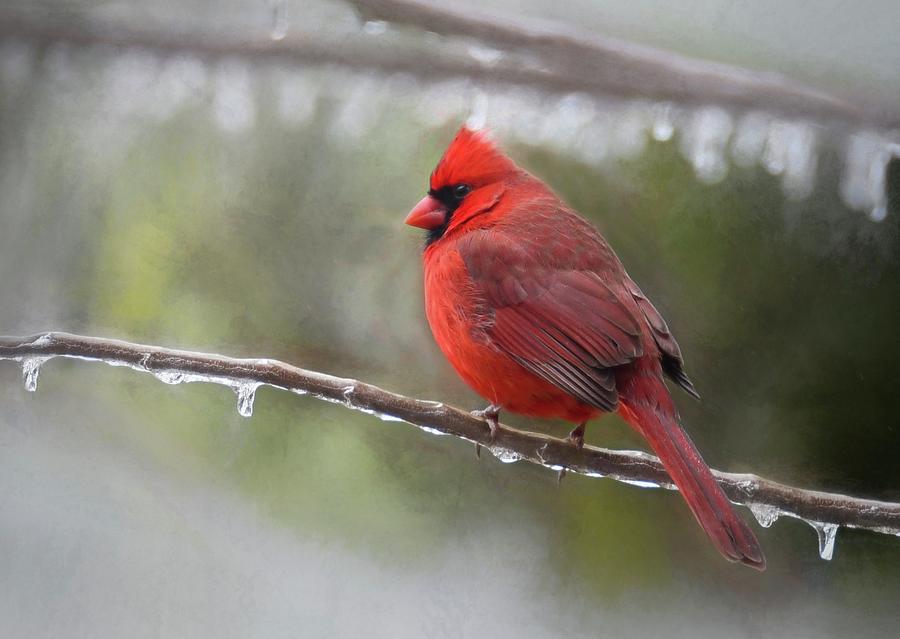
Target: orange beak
{"type": "Point", "coordinates": [427, 214]}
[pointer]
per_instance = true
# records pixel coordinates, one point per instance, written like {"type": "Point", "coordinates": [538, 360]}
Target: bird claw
{"type": "Point", "coordinates": [491, 416]}
{"type": "Point", "coordinates": [560, 475]}
{"type": "Point", "coordinates": [477, 450]}
{"type": "Point", "coordinates": [576, 437]}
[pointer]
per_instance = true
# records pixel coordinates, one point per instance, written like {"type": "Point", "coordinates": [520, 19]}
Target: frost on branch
{"type": "Point", "coordinates": [767, 500]}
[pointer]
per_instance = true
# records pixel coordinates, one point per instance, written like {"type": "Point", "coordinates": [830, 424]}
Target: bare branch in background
{"type": "Point", "coordinates": [767, 499]}
{"type": "Point", "coordinates": [607, 65]}
{"type": "Point", "coordinates": [556, 59]}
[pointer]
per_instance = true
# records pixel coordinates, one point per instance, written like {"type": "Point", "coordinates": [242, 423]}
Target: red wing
{"type": "Point", "coordinates": [565, 326]}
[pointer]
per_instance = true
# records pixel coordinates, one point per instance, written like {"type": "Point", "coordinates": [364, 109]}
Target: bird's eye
{"type": "Point", "coordinates": [460, 191]}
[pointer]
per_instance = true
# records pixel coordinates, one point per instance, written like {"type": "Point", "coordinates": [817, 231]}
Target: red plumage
{"type": "Point", "coordinates": [536, 313]}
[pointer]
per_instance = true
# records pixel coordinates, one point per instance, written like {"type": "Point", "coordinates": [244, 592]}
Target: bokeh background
{"type": "Point", "coordinates": [254, 208]}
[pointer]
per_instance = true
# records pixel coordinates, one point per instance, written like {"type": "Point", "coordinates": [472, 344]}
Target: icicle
{"type": "Point", "coordinates": [663, 127]}
{"type": "Point", "coordinates": [827, 534]}
{"type": "Point", "coordinates": [750, 139]}
{"type": "Point", "coordinates": [279, 20]}
{"type": "Point", "coordinates": [703, 143]}
{"type": "Point", "coordinates": [800, 161]}
{"type": "Point", "coordinates": [773, 159]}
{"type": "Point", "coordinates": [790, 152]}
{"type": "Point", "coordinates": [765, 514]}
{"type": "Point", "coordinates": [877, 187]}
{"type": "Point", "coordinates": [246, 393]}
{"type": "Point", "coordinates": [505, 455]}
{"type": "Point", "coordinates": [31, 369]}
{"type": "Point", "coordinates": [865, 168]}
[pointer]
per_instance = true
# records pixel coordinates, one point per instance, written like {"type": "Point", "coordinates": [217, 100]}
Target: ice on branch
{"type": "Point", "coordinates": [31, 370]}
{"type": "Point", "coordinates": [827, 533]}
{"type": "Point", "coordinates": [767, 500]}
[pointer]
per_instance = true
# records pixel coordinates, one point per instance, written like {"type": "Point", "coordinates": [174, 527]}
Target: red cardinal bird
{"type": "Point", "coordinates": [537, 314]}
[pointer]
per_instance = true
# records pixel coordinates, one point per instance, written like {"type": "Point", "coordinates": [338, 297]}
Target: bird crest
{"type": "Point", "coordinates": [472, 158]}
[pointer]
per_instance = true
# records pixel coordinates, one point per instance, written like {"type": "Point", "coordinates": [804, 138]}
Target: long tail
{"type": "Point", "coordinates": [647, 406]}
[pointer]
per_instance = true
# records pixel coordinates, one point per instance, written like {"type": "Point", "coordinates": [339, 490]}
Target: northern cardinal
{"type": "Point", "coordinates": [536, 313]}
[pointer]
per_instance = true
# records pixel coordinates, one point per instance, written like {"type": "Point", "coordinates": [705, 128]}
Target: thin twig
{"type": "Point", "coordinates": [556, 60]}
{"type": "Point", "coordinates": [510, 444]}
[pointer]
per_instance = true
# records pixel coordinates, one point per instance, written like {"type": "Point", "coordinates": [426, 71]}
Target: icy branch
{"type": "Point", "coordinates": [520, 53]}
{"type": "Point", "coordinates": [766, 499]}
{"type": "Point", "coordinates": [593, 63]}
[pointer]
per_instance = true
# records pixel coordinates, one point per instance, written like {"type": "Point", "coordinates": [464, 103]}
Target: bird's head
{"type": "Point", "coordinates": [466, 183]}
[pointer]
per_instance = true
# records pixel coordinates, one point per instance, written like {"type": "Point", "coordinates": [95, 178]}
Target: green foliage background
{"type": "Point", "coordinates": [288, 242]}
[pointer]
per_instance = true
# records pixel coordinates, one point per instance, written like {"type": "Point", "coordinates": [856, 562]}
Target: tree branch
{"type": "Point", "coordinates": [607, 65]}
{"type": "Point", "coordinates": [766, 499]}
{"type": "Point", "coordinates": [556, 60]}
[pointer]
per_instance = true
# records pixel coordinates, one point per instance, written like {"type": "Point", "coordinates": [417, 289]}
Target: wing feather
{"type": "Point", "coordinates": [565, 325]}
{"type": "Point", "coordinates": [670, 352]}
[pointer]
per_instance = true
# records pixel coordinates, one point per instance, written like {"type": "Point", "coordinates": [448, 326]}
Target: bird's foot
{"type": "Point", "coordinates": [491, 416]}
{"type": "Point", "coordinates": [576, 437]}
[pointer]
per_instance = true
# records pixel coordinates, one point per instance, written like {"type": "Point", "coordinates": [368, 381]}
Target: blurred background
{"type": "Point", "coordinates": [232, 177]}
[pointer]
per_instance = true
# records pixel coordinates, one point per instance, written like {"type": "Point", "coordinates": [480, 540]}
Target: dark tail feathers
{"type": "Point", "coordinates": [659, 425]}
